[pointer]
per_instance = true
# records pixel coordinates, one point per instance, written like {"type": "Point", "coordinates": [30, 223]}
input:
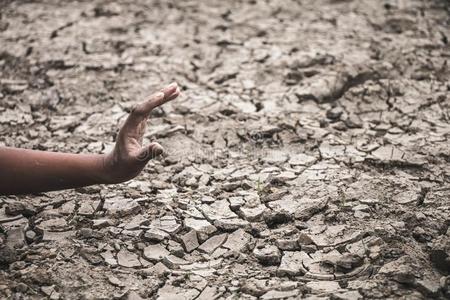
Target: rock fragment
{"type": "Point", "coordinates": [292, 263]}
{"type": "Point", "coordinates": [213, 243]}
{"type": "Point", "coordinates": [272, 295]}
{"type": "Point", "coordinates": [268, 255]}
{"type": "Point", "coordinates": [109, 258]}
{"type": "Point", "coordinates": [16, 208]}
{"type": "Point", "coordinates": [237, 241]}
{"type": "Point", "coordinates": [252, 214]}
{"type": "Point", "coordinates": [323, 286]}
{"type": "Point", "coordinates": [174, 262]}
{"type": "Point", "coordinates": [121, 207]}
{"type": "Point", "coordinates": [203, 228]}
{"type": "Point", "coordinates": [155, 252]}
{"type": "Point", "coordinates": [128, 259]}
{"type": "Point", "coordinates": [190, 241]}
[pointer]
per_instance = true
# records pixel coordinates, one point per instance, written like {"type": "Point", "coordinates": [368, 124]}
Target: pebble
{"type": "Point", "coordinates": [128, 259]}
{"type": "Point", "coordinates": [190, 241]}
{"type": "Point", "coordinates": [292, 263]}
{"type": "Point", "coordinates": [109, 258]}
{"type": "Point", "coordinates": [155, 252]}
{"type": "Point", "coordinates": [203, 228]}
{"type": "Point", "coordinates": [272, 295]}
{"type": "Point", "coordinates": [252, 214]}
{"type": "Point", "coordinates": [210, 245]}
{"type": "Point", "coordinates": [16, 208]}
{"type": "Point", "coordinates": [237, 241]}
{"type": "Point", "coordinates": [174, 262]}
{"type": "Point", "coordinates": [268, 255]}
{"type": "Point", "coordinates": [323, 286]}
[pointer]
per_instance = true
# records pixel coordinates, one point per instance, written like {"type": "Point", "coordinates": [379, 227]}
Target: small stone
{"type": "Point", "coordinates": [268, 255]}
{"type": "Point", "coordinates": [252, 214]}
{"type": "Point", "coordinates": [168, 224]}
{"type": "Point", "coordinates": [236, 202]}
{"type": "Point", "coordinates": [305, 239]}
{"type": "Point", "coordinates": [158, 269]}
{"type": "Point", "coordinates": [86, 209]}
{"type": "Point", "coordinates": [302, 160]}
{"type": "Point", "coordinates": [48, 290]}
{"type": "Point", "coordinates": [428, 287]}
{"type": "Point", "coordinates": [56, 224]}
{"type": "Point", "coordinates": [115, 281]}
{"type": "Point", "coordinates": [102, 223]}
{"type": "Point", "coordinates": [342, 262]}
{"type": "Point", "coordinates": [155, 234]}
{"type": "Point", "coordinates": [91, 256]}
{"type": "Point", "coordinates": [275, 218]}
{"type": "Point", "coordinates": [334, 113]}
{"type": "Point", "coordinates": [218, 210]}
{"type": "Point", "coordinates": [16, 237]}
{"type": "Point", "coordinates": [121, 207]}
{"type": "Point", "coordinates": [370, 201]}
{"type": "Point", "coordinates": [203, 228]}
{"type": "Point", "coordinates": [323, 286]}
{"type": "Point", "coordinates": [272, 295]}
{"type": "Point", "coordinates": [170, 292]}
{"type": "Point", "coordinates": [288, 244]}
{"type": "Point", "coordinates": [155, 252]}
{"type": "Point", "coordinates": [175, 248]}
{"type": "Point", "coordinates": [231, 224]}
{"type": "Point", "coordinates": [292, 263]}
{"type": "Point", "coordinates": [213, 243]}
{"type": "Point", "coordinates": [275, 157]}
{"type": "Point", "coordinates": [128, 259]}
{"type": "Point", "coordinates": [16, 208]}
{"type": "Point", "coordinates": [209, 293]}
{"type": "Point", "coordinates": [237, 241]}
{"type": "Point", "coordinates": [132, 295]}
{"type": "Point", "coordinates": [361, 207]}
{"type": "Point", "coordinates": [190, 241]}
{"type": "Point", "coordinates": [400, 270]}
{"type": "Point", "coordinates": [174, 262]}
{"type": "Point", "coordinates": [135, 222]}
{"type": "Point", "coordinates": [30, 236]}
{"type": "Point", "coordinates": [109, 258]}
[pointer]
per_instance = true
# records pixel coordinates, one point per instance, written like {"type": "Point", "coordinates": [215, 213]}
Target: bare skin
{"type": "Point", "coordinates": [29, 171]}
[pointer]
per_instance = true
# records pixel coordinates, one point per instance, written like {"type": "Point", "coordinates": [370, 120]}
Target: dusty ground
{"type": "Point", "coordinates": [309, 156]}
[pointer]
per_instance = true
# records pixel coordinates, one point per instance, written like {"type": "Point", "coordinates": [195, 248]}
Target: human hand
{"type": "Point", "coordinates": [129, 156]}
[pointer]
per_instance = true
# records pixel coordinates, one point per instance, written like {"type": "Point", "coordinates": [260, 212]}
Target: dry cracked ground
{"type": "Point", "coordinates": [308, 157]}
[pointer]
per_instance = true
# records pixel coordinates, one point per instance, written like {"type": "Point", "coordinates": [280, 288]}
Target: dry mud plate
{"type": "Point", "coordinates": [309, 156]}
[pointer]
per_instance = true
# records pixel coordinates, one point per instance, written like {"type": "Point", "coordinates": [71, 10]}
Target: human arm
{"type": "Point", "coordinates": [29, 171]}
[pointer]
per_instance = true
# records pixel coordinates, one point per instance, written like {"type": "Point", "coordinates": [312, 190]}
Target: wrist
{"type": "Point", "coordinates": [103, 169]}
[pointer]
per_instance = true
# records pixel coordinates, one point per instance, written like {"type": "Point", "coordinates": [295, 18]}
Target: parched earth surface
{"type": "Point", "coordinates": [308, 157]}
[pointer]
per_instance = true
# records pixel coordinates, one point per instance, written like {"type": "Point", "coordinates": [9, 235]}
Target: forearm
{"type": "Point", "coordinates": [29, 171]}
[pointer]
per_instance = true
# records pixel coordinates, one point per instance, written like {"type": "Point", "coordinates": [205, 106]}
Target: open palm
{"type": "Point", "coordinates": [129, 156]}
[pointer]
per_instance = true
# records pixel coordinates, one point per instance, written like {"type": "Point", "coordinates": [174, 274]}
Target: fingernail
{"type": "Point", "coordinates": [156, 150]}
{"type": "Point", "coordinates": [173, 84]}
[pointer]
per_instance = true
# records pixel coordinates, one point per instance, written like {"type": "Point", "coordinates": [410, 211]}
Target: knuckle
{"type": "Point", "coordinates": [138, 110]}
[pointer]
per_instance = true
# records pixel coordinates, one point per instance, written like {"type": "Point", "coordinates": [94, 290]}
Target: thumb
{"type": "Point", "coordinates": [151, 151]}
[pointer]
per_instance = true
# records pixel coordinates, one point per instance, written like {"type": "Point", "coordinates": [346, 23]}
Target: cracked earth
{"type": "Point", "coordinates": [307, 158]}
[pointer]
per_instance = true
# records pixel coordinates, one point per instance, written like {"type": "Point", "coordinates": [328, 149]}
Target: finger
{"type": "Point", "coordinates": [174, 95]}
{"type": "Point", "coordinates": [140, 112]}
{"type": "Point", "coordinates": [151, 151]}
{"type": "Point", "coordinates": [168, 91]}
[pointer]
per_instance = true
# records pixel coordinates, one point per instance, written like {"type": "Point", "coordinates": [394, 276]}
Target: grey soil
{"type": "Point", "coordinates": [308, 157]}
